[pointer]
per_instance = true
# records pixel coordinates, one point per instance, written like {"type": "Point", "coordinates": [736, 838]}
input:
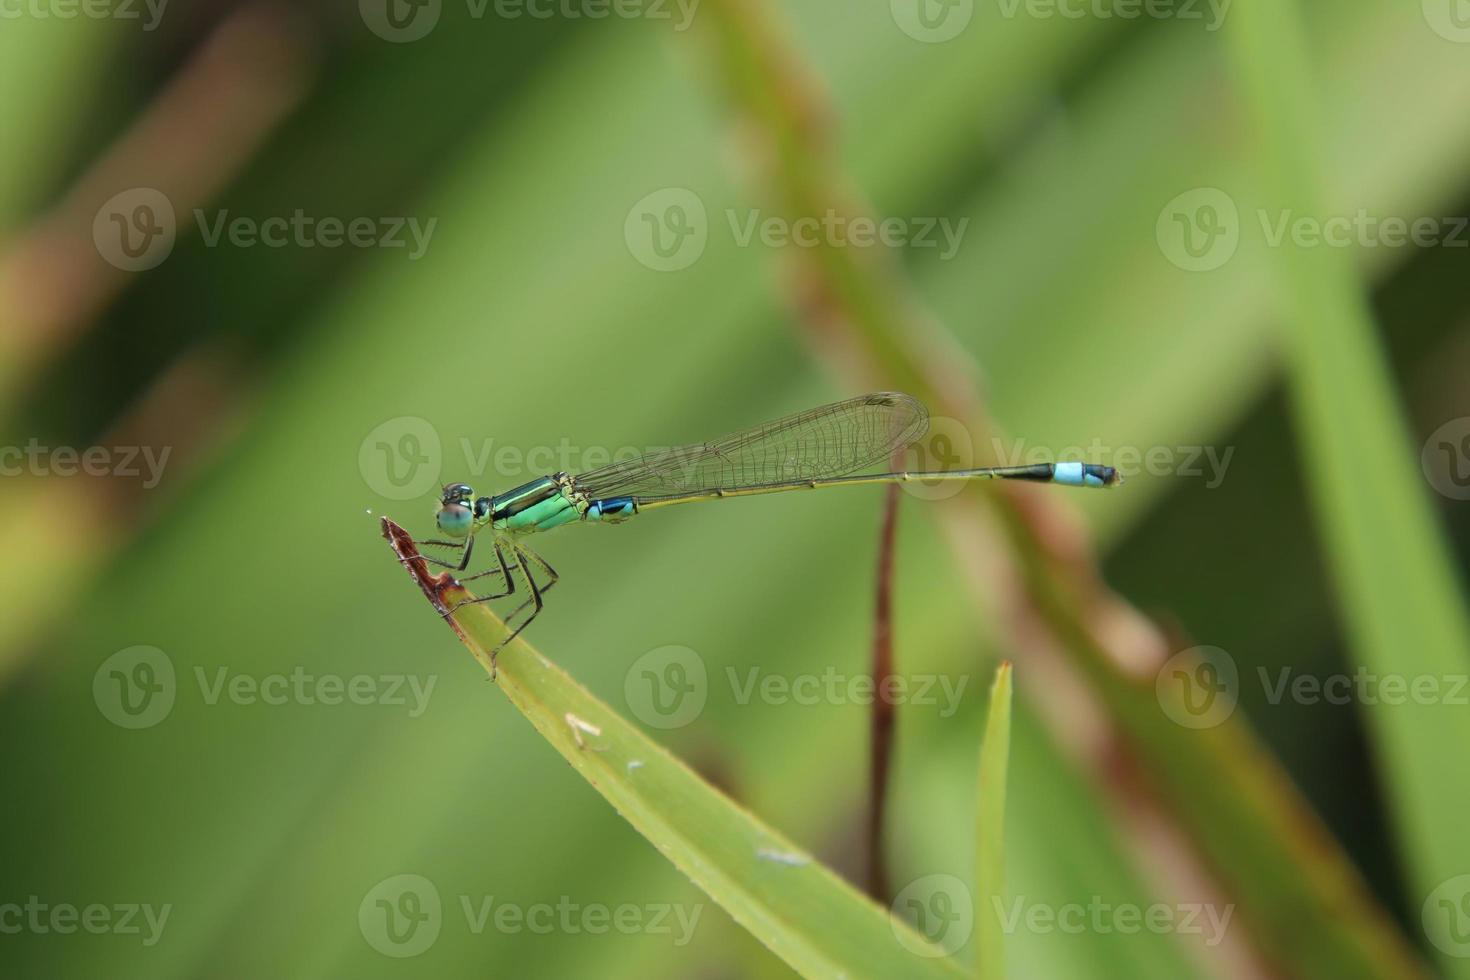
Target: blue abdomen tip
{"type": "Point", "coordinates": [1069, 474]}
{"type": "Point", "coordinates": [1074, 474]}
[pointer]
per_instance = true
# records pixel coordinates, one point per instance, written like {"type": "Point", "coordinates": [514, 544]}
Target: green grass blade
{"type": "Point", "coordinates": [1245, 819]}
{"type": "Point", "coordinates": [1397, 589]}
{"type": "Point", "coordinates": [990, 810]}
{"type": "Point", "coordinates": [802, 911]}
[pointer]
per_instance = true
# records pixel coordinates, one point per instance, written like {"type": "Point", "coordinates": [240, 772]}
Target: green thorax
{"type": "Point", "coordinates": [538, 506]}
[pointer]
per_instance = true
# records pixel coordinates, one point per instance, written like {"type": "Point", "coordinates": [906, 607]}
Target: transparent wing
{"type": "Point", "coordinates": [833, 440]}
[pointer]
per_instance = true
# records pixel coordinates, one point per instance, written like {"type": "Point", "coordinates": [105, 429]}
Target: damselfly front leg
{"type": "Point", "coordinates": [464, 559]}
{"type": "Point", "coordinates": [523, 558]}
{"type": "Point", "coordinates": [503, 571]}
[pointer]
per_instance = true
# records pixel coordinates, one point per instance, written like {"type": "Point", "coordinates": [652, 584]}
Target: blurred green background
{"type": "Point", "coordinates": [1113, 288]}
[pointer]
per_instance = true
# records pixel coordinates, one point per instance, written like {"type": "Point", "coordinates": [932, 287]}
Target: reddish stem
{"type": "Point", "coordinates": [881, 744]}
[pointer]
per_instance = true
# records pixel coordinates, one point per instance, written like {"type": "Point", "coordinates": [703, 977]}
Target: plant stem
{"type": "Point", "coordinates": [881, 738]}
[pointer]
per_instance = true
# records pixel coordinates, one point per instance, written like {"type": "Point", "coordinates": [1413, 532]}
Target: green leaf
{"type": "Point", "coordinates": [990, 809]}
{"type": "Point", "coordinates": [802, 911]}
{"type": "Point", "coordinates": [1398, 592]}
{"type": "Point", "coordinates": [1243, 816]}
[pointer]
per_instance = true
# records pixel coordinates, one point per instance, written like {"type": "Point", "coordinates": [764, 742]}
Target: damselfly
{"type": "Point", "coordinates": [822, 447]}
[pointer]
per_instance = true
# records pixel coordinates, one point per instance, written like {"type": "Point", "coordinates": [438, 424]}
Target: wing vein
{"type": "Point", "coordinates": [833, 440]}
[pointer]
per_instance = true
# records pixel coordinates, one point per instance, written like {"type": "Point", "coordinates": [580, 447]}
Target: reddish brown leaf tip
{"type": "Point", "coordinates": [408, 552]}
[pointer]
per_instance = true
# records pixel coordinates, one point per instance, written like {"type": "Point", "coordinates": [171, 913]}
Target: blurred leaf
{"type": "Point", "coordinates": [1240, 810]}
{"type": "Point", "coordinates": [46, 66]}
{"type": "Point", "coordinates": [990, 812]}
{"type": "Point", "coordinates": [1398, 591]}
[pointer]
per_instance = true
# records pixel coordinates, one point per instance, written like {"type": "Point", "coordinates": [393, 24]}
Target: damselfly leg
{"type": "Point", "coordinates": [467, 547]}
{"type": "Point", "coordinates": [523, 558]}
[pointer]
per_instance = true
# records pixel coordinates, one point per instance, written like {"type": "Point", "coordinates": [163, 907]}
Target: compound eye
{"type": "Point", "coordinates": [457, 492]}
{"type": "Point", "coordinates": [454, 520]}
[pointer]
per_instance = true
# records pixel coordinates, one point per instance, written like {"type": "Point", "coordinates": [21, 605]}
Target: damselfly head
{"type": "Point", "coordinates": [456, 516]}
